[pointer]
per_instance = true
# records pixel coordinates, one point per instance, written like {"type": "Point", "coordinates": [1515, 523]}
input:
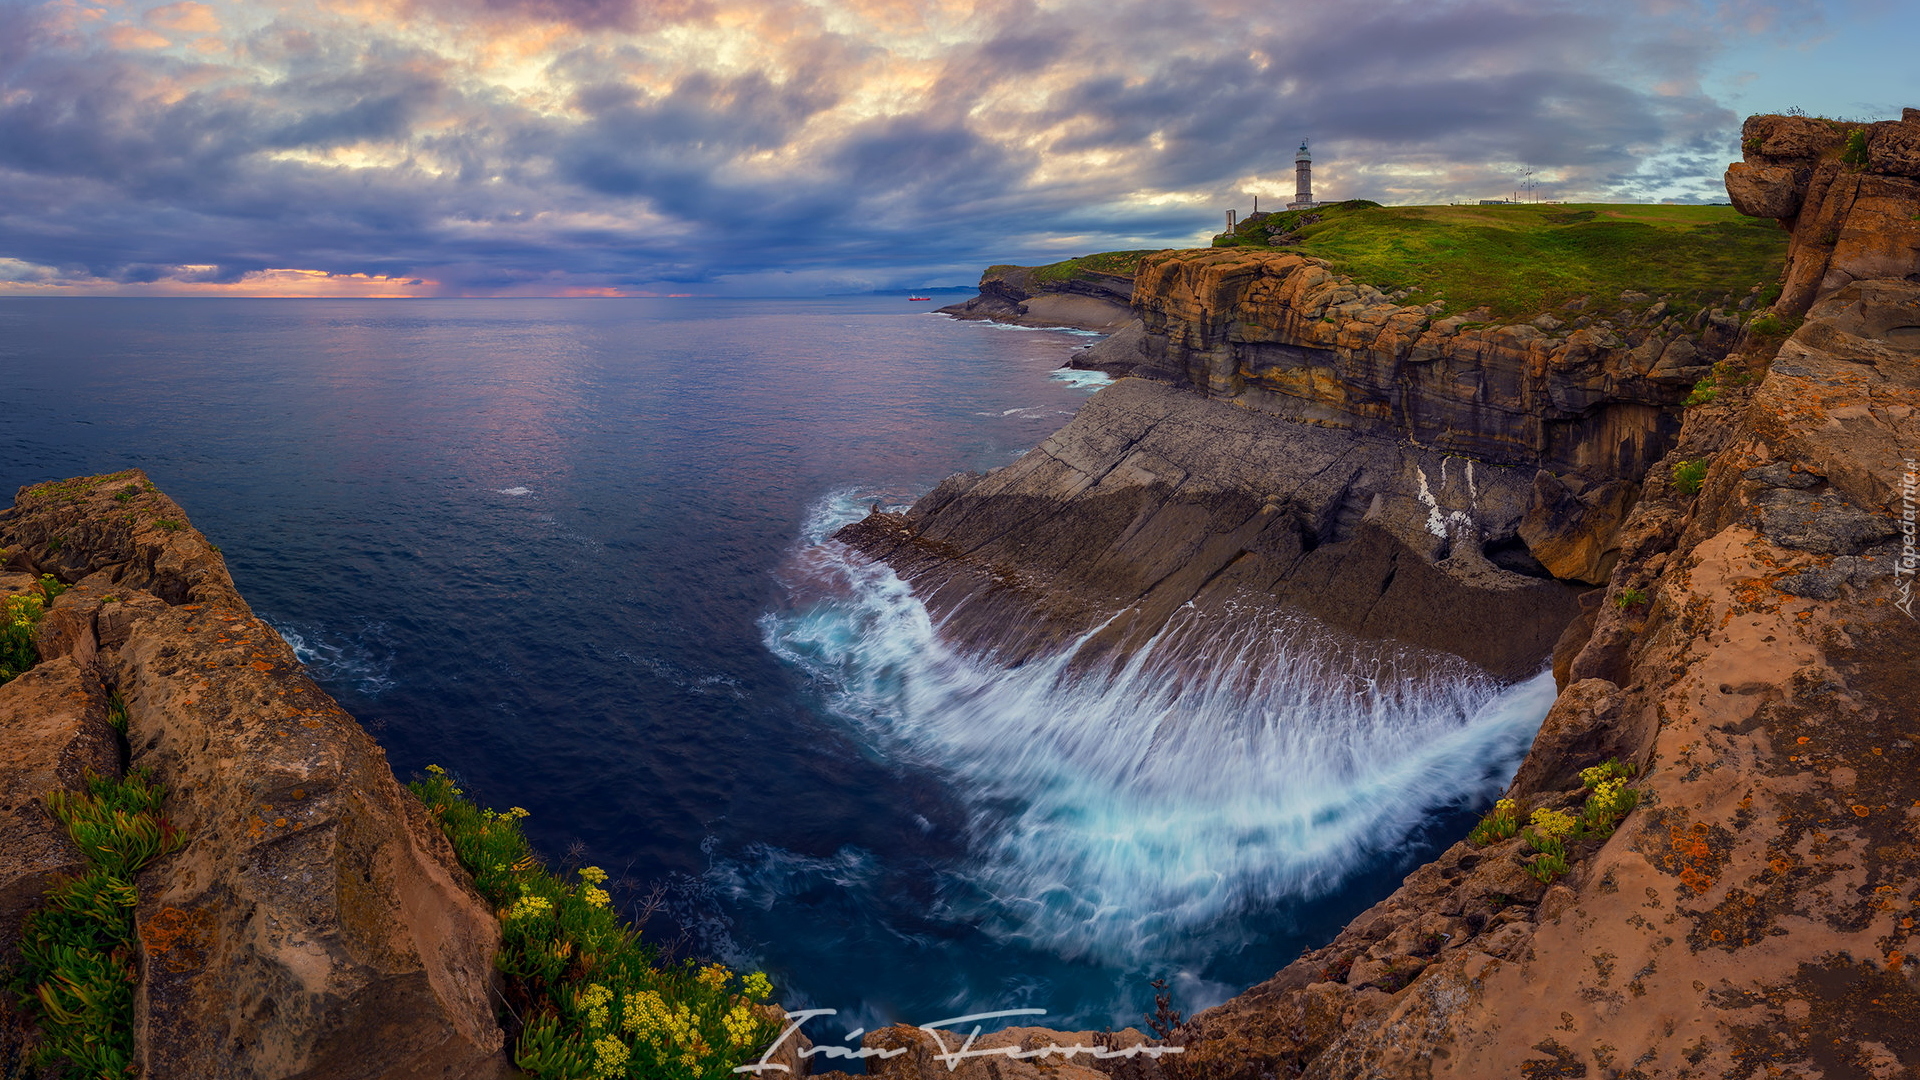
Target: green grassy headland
{"type": "Point", "coordinates": [1516, 261]}
{"type": "Point", "coordinates": [1121, 263]}
{"type": "Point", "coordinates": [1523, 259]}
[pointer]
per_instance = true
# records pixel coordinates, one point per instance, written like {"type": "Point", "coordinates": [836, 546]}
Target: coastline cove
{"type": "Point", "coordinates": [576, 552]}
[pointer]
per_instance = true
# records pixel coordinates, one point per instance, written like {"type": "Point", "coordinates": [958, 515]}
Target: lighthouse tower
{"type": "Point", "coordinates": [1302, 179]}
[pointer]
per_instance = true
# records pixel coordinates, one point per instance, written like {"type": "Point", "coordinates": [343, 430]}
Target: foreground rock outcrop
{"type": "Point", "coordinates": [315, 924]}
{"type": "Point", "coordinates": [1088, 300]}
{"type": "Point", "coordinates": [1844, 191]}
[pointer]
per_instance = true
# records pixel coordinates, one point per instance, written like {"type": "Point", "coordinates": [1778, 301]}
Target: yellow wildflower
{"type": "Point", "coordinates": [645, 1014]}
{"type": "Point", "coordinates": [595, 896]}
{"type": "Point", "coordinates": [756, 986]}
{"type": "Point", "coordinates": [609, 1057]}
{"type": "Point", "coordinates": [714, 976]}
{"type": "Point", "coordinates": [1553, 823]}
{"type": "Point", "coordinates": [594, 1000]}
{"type": "Point", "coordinates": [741, 1025]}
{"type": "Point", "coordinates": [529, 907]}
{"type": "Point", "coordinates": [593, 875]}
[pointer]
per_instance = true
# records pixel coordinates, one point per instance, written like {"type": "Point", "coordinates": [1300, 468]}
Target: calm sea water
{"type": "Point", "coordinates": [571, 551]}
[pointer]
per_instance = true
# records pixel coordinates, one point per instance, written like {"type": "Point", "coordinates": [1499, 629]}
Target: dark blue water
{"type": "Point", "coordinates": [569, 550]}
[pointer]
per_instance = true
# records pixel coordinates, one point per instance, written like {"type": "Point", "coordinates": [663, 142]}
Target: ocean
{"type": "Point", "coordinates": [575, 552]}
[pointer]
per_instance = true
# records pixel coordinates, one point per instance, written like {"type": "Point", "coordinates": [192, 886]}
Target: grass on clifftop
{"type": "Point", "coordinates": [77, 968]}
{"type": "Point", "coordinates": [1525, 259]}
{"type": "Point", "coordinates": [1118, 263]}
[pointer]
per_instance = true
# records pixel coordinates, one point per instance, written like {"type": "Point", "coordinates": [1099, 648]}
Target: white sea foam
{"type": "Point", "coordinates": [1238, 760]}
{"type": "Point", "coordinates": [1081, 380]}
{"type": "Point", "coordinates": [1036, 329]}
{"type": "Point", "coordinates": [360, 660]}
{"type": "Point", "coordinates": [514, 491]}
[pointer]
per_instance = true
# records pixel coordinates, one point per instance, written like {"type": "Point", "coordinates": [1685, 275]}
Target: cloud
{"type": "Point", "coordinates": [514, 146]}
{"type": "Point", "coordinates": [134, 37]}
{"type": "Point", "coordinates": [185, 17]}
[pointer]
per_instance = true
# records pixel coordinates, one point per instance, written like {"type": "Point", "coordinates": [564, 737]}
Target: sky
{"type": "Point", "coordinates": [804, 147]}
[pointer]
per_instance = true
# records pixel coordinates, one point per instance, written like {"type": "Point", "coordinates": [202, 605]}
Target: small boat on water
{"type": "Point", "coordinates": [919, 297]}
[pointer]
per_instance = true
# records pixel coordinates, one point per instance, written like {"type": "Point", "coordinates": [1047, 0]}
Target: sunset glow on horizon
{"type": "Point", "coordinates": [733, 147]}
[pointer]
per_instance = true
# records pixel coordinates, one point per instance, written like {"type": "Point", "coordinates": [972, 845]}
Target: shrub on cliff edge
{"type": "Point", "coordinates": [591, 998]}
{"type": "Point", "coordinates": [76, 973]}
{"type": "Point", "coordinates": [17, 621]}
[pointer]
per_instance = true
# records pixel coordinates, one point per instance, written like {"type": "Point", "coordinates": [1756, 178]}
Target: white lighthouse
{"type": "Point", "coordinates": [1302, 179]}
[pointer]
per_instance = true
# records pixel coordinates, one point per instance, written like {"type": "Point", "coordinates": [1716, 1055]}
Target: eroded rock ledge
{"type": "Point", "coordinates": [1012, 294]}
{"type": "Point", "coordinates": [1152, 498]}
{"type": "Point", "coordinates": [316, 924]}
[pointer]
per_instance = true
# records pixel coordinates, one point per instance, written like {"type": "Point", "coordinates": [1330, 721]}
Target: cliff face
{"type": "Point", "coordinates": [1848, 207]}
{"type": "Point", "coordinates": [1088, 300]}
{"type": "Point", "coordinates": [1283, 334]}
{"type": "Point", "coordinates": [315, 924]}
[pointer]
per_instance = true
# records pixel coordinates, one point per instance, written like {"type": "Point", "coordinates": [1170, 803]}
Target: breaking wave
{"type": "Point", "coordinates": [1241, 759]}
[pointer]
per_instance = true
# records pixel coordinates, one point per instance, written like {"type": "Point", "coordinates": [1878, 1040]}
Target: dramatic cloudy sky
{"type": "Point", "coordinates": [580, 147]}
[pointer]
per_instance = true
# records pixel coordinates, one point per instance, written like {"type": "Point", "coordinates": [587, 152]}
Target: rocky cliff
{"type": "Point", "coordinates": [1282, 334]}
{"type": "Point", "coordinates": [1845, 191]}
{"type": "Point", "coordinates": [315, 924]}
{"type": "Point", "coordinates": [1304, 440]}
{"type": "Point", "coordinates": [1753, 916]}
{"type": "Point", "coordinates": [1750, 659]}
{"type": "Point", "coordinates": [1082, 298]}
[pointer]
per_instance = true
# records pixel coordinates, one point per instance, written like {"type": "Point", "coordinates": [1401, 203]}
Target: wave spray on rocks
{"type": "Point", "coordinates": [1241, 759]}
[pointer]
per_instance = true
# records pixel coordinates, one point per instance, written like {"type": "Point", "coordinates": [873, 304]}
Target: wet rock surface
{"type": "Point", "coordinates": [315, 924]}
{"type": "Point", "coordinates": [1154, 498]}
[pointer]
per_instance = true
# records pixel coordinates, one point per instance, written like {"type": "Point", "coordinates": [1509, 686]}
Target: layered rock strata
{"type": "Point", "coordinates": [1283, 334]}
{"type": "Point", "coordinates": [1153, 499]}
{"type": "Point", "coordinates": [315, 924]}
{"type": "Point", "coordinates": [1013, 294]}
{"type": "Point", "coordinates": [1847, 201]}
